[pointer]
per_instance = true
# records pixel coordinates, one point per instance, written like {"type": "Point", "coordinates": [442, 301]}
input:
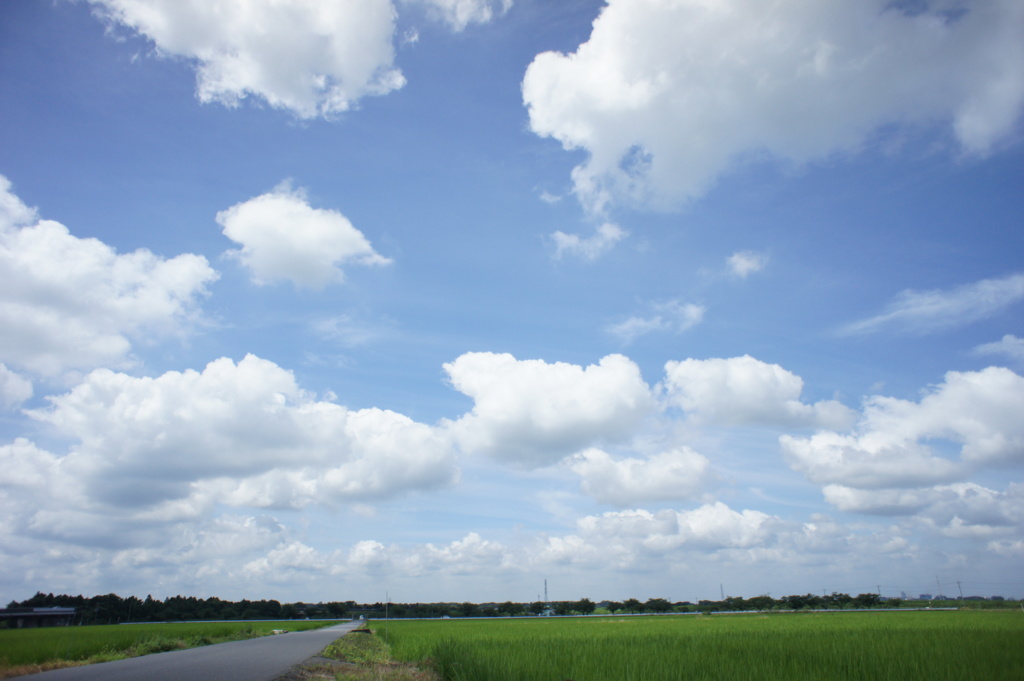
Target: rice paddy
{"type": "Point", "coordinates": [869, 646]}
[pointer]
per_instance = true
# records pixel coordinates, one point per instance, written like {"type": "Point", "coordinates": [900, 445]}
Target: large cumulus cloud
{"type": "Point", "coordinates": [534, 413]}
{"type": "Point", "coordinates": [905, 457]}
{"type": "Point", "coordinates": [138, 441]}
{"type": "Point", "coordinates": [70, 303]}
{"type": "Point", "coordinates": [667, 95]}
{"type": "Point", "coordinates": [745, 391]}
{"type": "Point", "coordinates": [283, 237]}
{"type": "Point", "coordinates": [676, 474]}
{"type": "Point", "coordinates": [310, 57]}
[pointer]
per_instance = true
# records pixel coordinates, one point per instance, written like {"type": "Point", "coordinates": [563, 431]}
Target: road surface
{"type": "Point", "coordinates": [256, 659]}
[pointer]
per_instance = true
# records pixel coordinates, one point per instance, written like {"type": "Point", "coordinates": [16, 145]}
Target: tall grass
{"type": "Point", "coordinates": [812, 647]}
{"type": "Point", "coordinates": [101, 642]}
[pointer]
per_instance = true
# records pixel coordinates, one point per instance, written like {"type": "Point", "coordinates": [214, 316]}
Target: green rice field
{"type": "Point", "coordinates": [48, 645]}
{"type": "Point", "coordinates": [868, 646]}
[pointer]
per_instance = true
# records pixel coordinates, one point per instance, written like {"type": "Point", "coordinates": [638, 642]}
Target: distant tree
{"type": "Point", "coordinates": [735, 604]}
{"type": "Point", "coordinates": [840, 600]}
{"type": "Point", "coordinates": [108, 609]}
{"type": "Point", "coordinates": [868, 600]}
{"type": "Point", "coordinates": [584, 606]}
{"type": "Point", "coordinates": [894, 602]}
{"type": "Point", "coordinates": [762, 603]}
{"type": "Point", "coordinates": [657, 605]}
{"type": "Point", "coordinates": [614, 607]}
{"type": "Point", "coordinates": [536, 608]}
{"type": "Point", "coordinates": [632, 605]}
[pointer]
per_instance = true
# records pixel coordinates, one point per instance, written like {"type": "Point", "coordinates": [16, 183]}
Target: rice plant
{"type": "Point", "coordinates": [794, 647]}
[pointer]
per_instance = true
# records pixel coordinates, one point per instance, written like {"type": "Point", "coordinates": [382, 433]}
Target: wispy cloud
{"type": "Point", "coordinates": [459, 14]}
{"type": "Point", "coordinates": [350, 330]}
{"type": "Point", "coordinates": [744, 263]}
{"type": "Point", "coordinates": [672, 316]}
{"type": "Point", "coordinates": [929, 311]}
{"type": "Point", "coordinates": [589, 248]}
{"type": "Point", "coordinates": [1009, 345]}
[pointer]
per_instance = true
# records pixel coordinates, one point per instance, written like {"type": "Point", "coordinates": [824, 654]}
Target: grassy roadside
{"type": "Point", "coordinates": [360, 655]}
{"type": "Point", "coordinates": [29, 651]}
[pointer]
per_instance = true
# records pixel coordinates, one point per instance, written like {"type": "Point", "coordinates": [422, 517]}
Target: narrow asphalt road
{"type": "Point", "coordinates": [257, 659]}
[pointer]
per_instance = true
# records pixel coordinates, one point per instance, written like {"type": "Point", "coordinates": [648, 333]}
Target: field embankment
{"type": "Point", "coordinates": [24, 651]}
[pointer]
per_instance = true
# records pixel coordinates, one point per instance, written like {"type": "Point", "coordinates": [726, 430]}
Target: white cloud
{"type": "Point", "coordinates": [871, 461]}
{"type": "Point", "coordinates": [283, 561]}
{"type": "Point", "coordinates": [701, 542]}
{"type": "Point", "coordinates": [712, 526]}
{"type": "Point", "coordinates": [311, 58]}
{"type": "Point", "coordinates": [961, 510]}
{"type": "Point", "coordinates": [744, 390]}
{"type": "Point", "coordinates": [471, 555]}
{"type": "Point", "coordinates": [391, 453]}
{"type": "Point", "coordinates": [14, 389]}
{"type": "Point", "coordinates": [350, 330]}
{"type": "Point", "coordinates": [208, 547]}
{"type": "Point", "coordinates": [533, 413]}
{"type": "Point", "coordinates": [928, 311]}
{"type": "Point", "coordinates": [589, 248]}
{"type": "Point", "coordinates": [672, 475]}
{"type": "Point", "coordinates": [1007, 547]}
{"type": "Point", "coordinates": [459, 14]}
{"type": "Point", "coordinates": [667, 95]}
{"type": "Point", "coordinates": [671, 316]}
{"type": "Point", "coordinates": [899, 449]}
{"type": "Point", "coordinates": [1009, 346]}
{"type": "Point", "coordinates": [368, 554]}
{"type": "Point", "coordinates": [13, 211]}
{"type": "Point", "coordinates": [26, 465]}
{"type": "Point", "coordinates": [243, 433]}
{"type": "Point", "coordinates": [467, 556]}
{"type": "Point", "coordinates": [70, 303]}
{"type": "Point", "coordinates": [283, 237]}
{"type": "Point", "coordinates": [744, 263]}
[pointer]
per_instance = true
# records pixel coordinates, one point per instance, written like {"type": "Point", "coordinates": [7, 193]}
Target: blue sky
{"type": "Point", "coordinates": [443, 298]}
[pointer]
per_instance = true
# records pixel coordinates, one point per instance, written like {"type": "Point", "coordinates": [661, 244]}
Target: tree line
{"type": "Point", "coordinates": [113, 609]}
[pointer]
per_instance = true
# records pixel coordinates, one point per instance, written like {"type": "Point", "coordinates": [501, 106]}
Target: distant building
{"type": "Point", "coordinates": [925, 597]}
{"type": "Point", "coordinates": [30, 618]}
